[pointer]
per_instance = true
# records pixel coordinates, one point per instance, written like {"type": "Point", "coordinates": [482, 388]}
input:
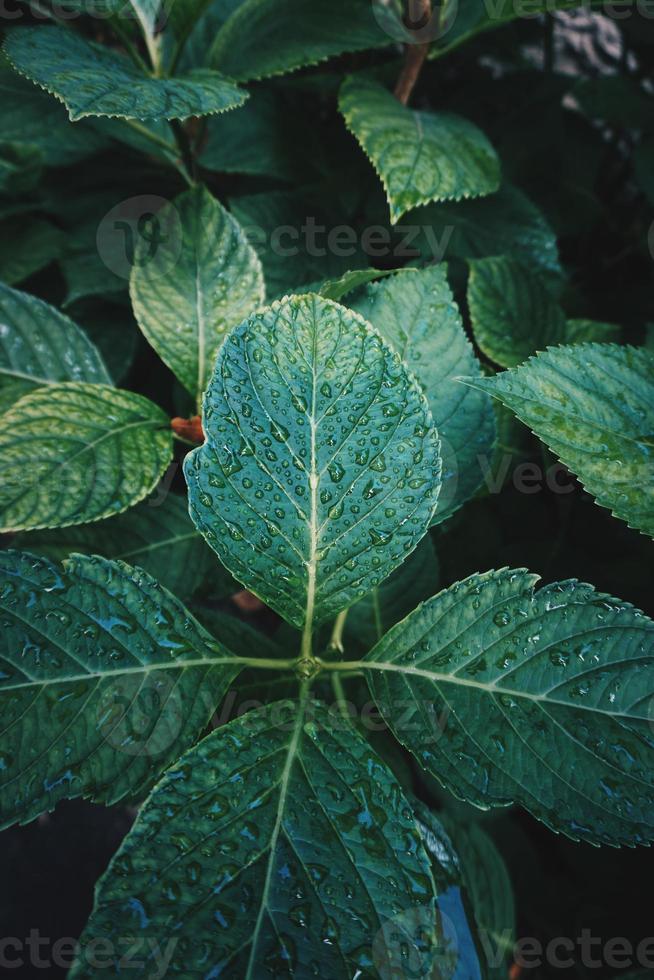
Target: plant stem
{"type": "Point", "coordinates": [169, 149]}
{"type": "Point", "coordinates": [339, 692]}
{"type": "Point", "coordinates": [185, 150]}
{"type": "Point", "coordinates": [414, 59]}
{"type": "Point", "coordinates": [336, 640]}
{"type": "Point", "coordinates": [126, 42]}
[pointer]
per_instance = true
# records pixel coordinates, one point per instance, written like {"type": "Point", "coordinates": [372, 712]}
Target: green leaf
{"type": "Point", "coordinates": [28, 115]}
{"type": "Point", "coordinates": [505, 223]}
{"type": "Point", "coordinates": [287, 230]}
{"type": "Point", "coordinates": [270, 37]}
{"type": "Point", "coordinates": [258, 140]}
{"type": "Point", "coordinates": [419, 156]}
{"type": "Point", "coordinates": [27, 245]}
{"type": "Point", "coordinates": [586, 331]}
{"type": "Point", "coordinates": [593, 405]}
{"type": "Point", "coordinates": [190, 293]}
{"type": "Point", "coordinates": [537, 698]}
{"type": "Point", "coordinates": [40, 346]}
{"type": "Point", "coordinates": [287, 846]}
{"type": "Point", "coordinates": [415, 580]}
{"type": "Point", "coordinates": [487, 882]}
{"type": "Point", "coordinates": [75, 452]}
{"type": "Point", "coordinates": [415, 313]}
{"type": "Point", "coordinates": [321, 469]}
{"type": "Point", "coordinates": [157, 535]}
{"type": "Point", "coordinates": [336, 289]}
{"type": "Point", "coordinates": [92, 80]}
{"type": "Point", "coordinates": [513, 314]}
{"type": "Point", "coordinates": [105, 679]}
{"type": "Point", "coordinates": [20, 167]}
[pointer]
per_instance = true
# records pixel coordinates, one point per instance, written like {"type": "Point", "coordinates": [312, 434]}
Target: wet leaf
{"type": "Point", "coordinates": [280, 843]}
{"type": "Point", "coordinates": [105, 679]}
{"type": "Point", "coordinates": [538, 698]}
{"type": "Point", "coordinates": [321, 469]}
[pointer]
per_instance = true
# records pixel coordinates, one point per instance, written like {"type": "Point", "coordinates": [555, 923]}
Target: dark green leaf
{"type": "Point", "coordinates": [104, 679]}
{"type": "Point", "coordinates": [539, 698]}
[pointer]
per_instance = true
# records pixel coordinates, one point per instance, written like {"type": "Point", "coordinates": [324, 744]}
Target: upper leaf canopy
{"type": "Point", "coordinates": [321, 468]}
{"type": "Point", "coordinates": [92, 80]}
{"type": "Point", "coordinates": [189, 293]}
{"type": "Point", "coordinates": [420, 156]}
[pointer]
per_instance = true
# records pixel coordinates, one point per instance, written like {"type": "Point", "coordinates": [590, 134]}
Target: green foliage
{"type": "Point", "coordinates": [101, 83]}
{"type": "Point", "coordinates": [325, 358]}
{"type": "Point", "coordinates": [593, 405]}
{"type": "Point", "coordinates": [320, 472]}
{"type": "Point", "coordinates": [420, 156]}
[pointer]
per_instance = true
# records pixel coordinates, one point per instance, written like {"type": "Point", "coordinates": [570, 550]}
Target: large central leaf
{"type": "Point", "coordinates": [321, 469]}
{"type": "Point", "coordinates": [541, 698]}
{"type": "Point", "coordinates": [280, 845]}
{"type": "Point", "coordinates": [105, 679]}
{"type": "Point", "coordinates": [188, 294]}
{"type": "Point", "coordinates": [420, 156]}
{"type": "Point", "coordinates": [92, 80]}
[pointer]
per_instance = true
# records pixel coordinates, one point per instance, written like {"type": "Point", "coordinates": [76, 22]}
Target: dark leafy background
{"type": "Point", "coordinates": [561, 99]}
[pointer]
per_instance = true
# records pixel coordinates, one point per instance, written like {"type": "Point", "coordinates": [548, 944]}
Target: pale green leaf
{"type": "Point", "coordinates": [321, 469]}
{"type": "Point", "coordinates": [280, 843]}
{"type": "Point", "coordinates": [419, 156]}
{"type": "Point", "coordinates": [270, 37]}
{"type": "Point", "coordinates": [593, 405]}
{"type": "Point", "coordinates": [513, 314]}
{"type": "Point", "coordinates": [92, 80]}
{"type": "Point", "coordinates": [538, 698]}
{"type": "Point", "coordinates": [41, 346]}
{"type": "Point", "coordinates": [336, 289]}
{"type": "Point", "coordinates": [188, 294]}
{"type": "Point", "coordinates": [75, 452]}
{"type": "Point", "coordinates": [105, 679]}
{"type": "Point", "coordinates": [415, 313]}
{"type": "Point", "coordinates": [157, 536]}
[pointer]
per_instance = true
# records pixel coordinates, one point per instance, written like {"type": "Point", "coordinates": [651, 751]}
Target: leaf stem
{"type": "Point", "coordinates": [186, 153]}
{"type": "Point", "coordinates": [414, 56]}
{"type": "Point", "coordinates": [335, 644]}
{"type": "Point", "coordinates": [126, 42]}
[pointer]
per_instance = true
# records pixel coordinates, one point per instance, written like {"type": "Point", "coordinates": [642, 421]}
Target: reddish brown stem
{"type": "Point", "coordinates": [189, 429]}
{"type": "Point", "coordinates": [414, 54]}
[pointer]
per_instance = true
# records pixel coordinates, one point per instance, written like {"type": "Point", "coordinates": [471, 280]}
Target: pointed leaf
{"type": "Point", "coordinates": [593, 405]}
{"type": "Point", "coordinates": [187, 296]}
{"type": "Point", "coordinates": [512, 312]}
{"type": "Point", "coordinates": [40, 346]}
{"type": "Point", "coordinates": [105, 679]}
{"type": "Point", "coordinates": [416, 314]}
{"type": "Point", "coordinates": [539, 698]}
{"type": "Point", "coordinates": [587, 331]}
{"type": "Point", "coordinates": [75, 452]}
{"type": "Point", "coordinates": [321, 468]}
{"type": "Point", "coordinates": [157, 536]}
{"type": "Point", "coordinates": [287, 845]}
{"type": "Point", "coordinates": [269, 37]}
{"type": "Point", "coordinates": [420, 156]}
{"type": "Point", "coordinates": [92, 80]}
